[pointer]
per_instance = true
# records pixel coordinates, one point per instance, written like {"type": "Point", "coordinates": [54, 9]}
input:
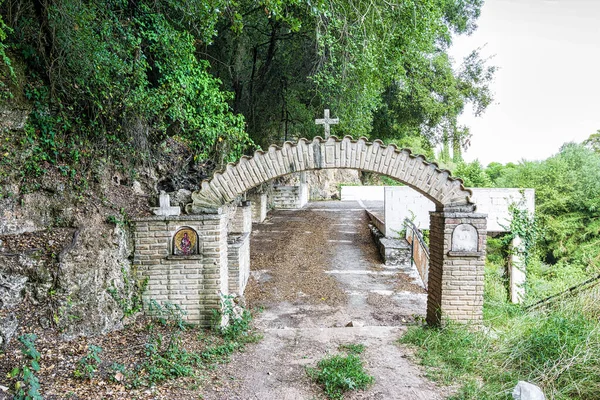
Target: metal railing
{"type": "Point", "coordinates": [590, 288]}
{"type": "Point", "coordinates": [419, 252]}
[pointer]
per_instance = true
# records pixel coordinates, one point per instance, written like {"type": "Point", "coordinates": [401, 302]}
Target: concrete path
{"type": "Point", "coordinates": [298, 332]}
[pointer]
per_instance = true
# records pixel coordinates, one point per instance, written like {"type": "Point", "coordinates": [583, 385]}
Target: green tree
{"type": "Point", "coordinates": [118, 76]}
{"type": "Point", "coordinates": [593, 142]}
{"type": "Point", "coordinates": [473, 174]}
{"type": "Point", "coordinates": [381, 67]}
{"type": "Point", "coordinates": [567, 189]}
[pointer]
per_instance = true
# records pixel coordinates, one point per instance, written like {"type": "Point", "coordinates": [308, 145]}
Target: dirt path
{"type": "Point", "coordinates": [314, 271]}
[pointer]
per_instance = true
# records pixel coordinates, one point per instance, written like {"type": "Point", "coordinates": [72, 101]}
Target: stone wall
{"type": "Point", "coordinates": [290, 197]}
{"type": "Point", "coordinates": [191, 281]}
{"type": "Point", "coordinates": [258, 204]}
{"type": "Point", "coordinates": [241, 220]}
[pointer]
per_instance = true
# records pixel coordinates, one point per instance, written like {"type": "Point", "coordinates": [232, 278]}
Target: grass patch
{"type": "Point", "coordinates": [339, 374]}
{"type": "Point", "coordinates": [352, 348]}
{"type": "Point", "coordinates": [556, 349]}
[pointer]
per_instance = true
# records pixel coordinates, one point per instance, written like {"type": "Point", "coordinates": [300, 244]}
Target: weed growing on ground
{"type": "Point", "coordinates": [166, 358]}
{"type": "Point", "coordinates": [339, 374]}
{"type": "Point", "coordinates": [27, 386]}
{"type": "Point", "coordinates": [88, 365]}
{"type": "Point", "coordinates": [233, 321]}
{"type": "Point", "coordinates": [557, 348]}
{"type": "Point", "coordinates": [352, 348]}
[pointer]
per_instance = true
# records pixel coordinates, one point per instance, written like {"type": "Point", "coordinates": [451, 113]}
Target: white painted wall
{"type": "Point", "coordinates": [403, 202]}
{"type": "Point", "coordinates": [362, 193]}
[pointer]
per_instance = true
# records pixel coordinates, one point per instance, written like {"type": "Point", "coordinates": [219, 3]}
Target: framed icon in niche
{"type": "Point", "coordinates": [185, 242]}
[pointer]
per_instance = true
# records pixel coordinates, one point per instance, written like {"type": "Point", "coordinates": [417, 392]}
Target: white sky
{"type": "Point", "coordinates": [547, 90]}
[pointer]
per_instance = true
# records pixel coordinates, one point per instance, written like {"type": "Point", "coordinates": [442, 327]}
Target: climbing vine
{"type": "Point", "coordinates": [523, 225]}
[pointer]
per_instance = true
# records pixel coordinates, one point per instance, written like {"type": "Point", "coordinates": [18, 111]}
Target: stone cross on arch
{"type": "Point", "coordinates": [327, 122]}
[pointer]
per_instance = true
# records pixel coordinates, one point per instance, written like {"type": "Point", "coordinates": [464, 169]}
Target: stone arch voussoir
{"type": "Point", "coordinates": [426, 177]}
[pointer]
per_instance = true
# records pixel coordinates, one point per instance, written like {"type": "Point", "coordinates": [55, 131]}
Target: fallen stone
{"type": "Point", "coordinates": [355, 324]}
{"type": "Point", "coordinates": [181, 197]}
{"type": "Point", "coordinates": [137, 188]}
{"type": "Point", "coordinates": [8, 327]}
{"type": "Point", "coordinates": [527, 391]}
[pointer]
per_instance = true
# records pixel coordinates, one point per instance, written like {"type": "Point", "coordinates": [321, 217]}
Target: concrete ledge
{"type": "Point", "coordinates": [187, 217]}
{"type": "Point", "coordinates": [466, 254]}
{"type": "Point", "coordinates": [394, 252]}
{"type": "Point", "coordinates": [377, 221]}
{"type": "Point", "coordinates": [179, 257]}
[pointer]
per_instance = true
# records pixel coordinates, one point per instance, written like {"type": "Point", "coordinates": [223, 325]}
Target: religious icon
{"type": "Point", "coordinates": [185, 242]}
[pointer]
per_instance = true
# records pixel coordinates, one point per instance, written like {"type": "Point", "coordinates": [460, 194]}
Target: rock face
{"type": "Point", "coordinates": [98, 261]}
{"type": "Point", "coordinates": [12, 288]}
{"type": "Point", "coordinates": [8, 327]}
{"type": "Point", "coordinates": [527, 391]}
{"type": "Point", "coordinates": [63, 251]}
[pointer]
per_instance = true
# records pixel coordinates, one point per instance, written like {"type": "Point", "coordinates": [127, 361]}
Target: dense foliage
{"type": "Point", "coordinates": [381, 67]}
{"type": "Point", "coordinates": [109, 77]}
{"type": "Point", "coordinates": [567, 215]}
{"type": "Point", "coordinates": [118, 75]}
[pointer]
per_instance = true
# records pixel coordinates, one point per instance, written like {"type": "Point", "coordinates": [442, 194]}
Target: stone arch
{"type": "Point", "coordinates": [413, 170]}
{"type": "Point", "coordinates": [455, 286]}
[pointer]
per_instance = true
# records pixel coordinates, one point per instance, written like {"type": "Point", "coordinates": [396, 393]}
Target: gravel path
{"type": "Point", "coordinates": [314, 271]}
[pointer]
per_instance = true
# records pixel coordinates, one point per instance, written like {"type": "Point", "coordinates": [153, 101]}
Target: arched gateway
{"type": "Point", "coordinates": [457, 233]}
{"type": "Point", "coordinates": [414, 171]}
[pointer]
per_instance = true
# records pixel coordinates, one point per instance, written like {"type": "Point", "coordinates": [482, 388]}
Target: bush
{"type": "Point", "coordinates": [88, 365]}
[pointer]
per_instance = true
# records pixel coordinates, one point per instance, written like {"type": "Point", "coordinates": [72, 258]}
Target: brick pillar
{"type": "Point", "coordinates": [241, 222]}
{"type": "Point", "coordinates": [259, 206]}
{"type": "Point", "coordinates": [457, 243]}
{"type": "Point", "coordinates": [194, 281]}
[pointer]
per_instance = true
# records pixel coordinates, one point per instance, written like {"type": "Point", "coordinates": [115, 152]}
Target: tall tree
{"type": "Point", "coordinates": [380, 66]}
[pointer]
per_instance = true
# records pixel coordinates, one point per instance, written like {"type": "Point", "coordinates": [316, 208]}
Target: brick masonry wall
{"type": "Point", "coordinates": [239, 262]}
{"type": "Point", "coordinates": [192, 282]}
{"type": "Point", "coordinates": [258, 203]}
{"type": "Point", "coordinates": [455, 278]}
{"type": "Point", "coordinates": [241, 219]}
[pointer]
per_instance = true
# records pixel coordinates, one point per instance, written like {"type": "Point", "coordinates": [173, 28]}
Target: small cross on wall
{"type": "Point", "coordinates": [327, 122]}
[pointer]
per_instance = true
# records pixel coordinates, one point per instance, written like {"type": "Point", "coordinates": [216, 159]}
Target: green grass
{"type": "Point", "coordinates": [339, 374]}
{"type": "Point", "coordinates": [556, 348]}
{"type": "Point", "coordinates": [352, 348]}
